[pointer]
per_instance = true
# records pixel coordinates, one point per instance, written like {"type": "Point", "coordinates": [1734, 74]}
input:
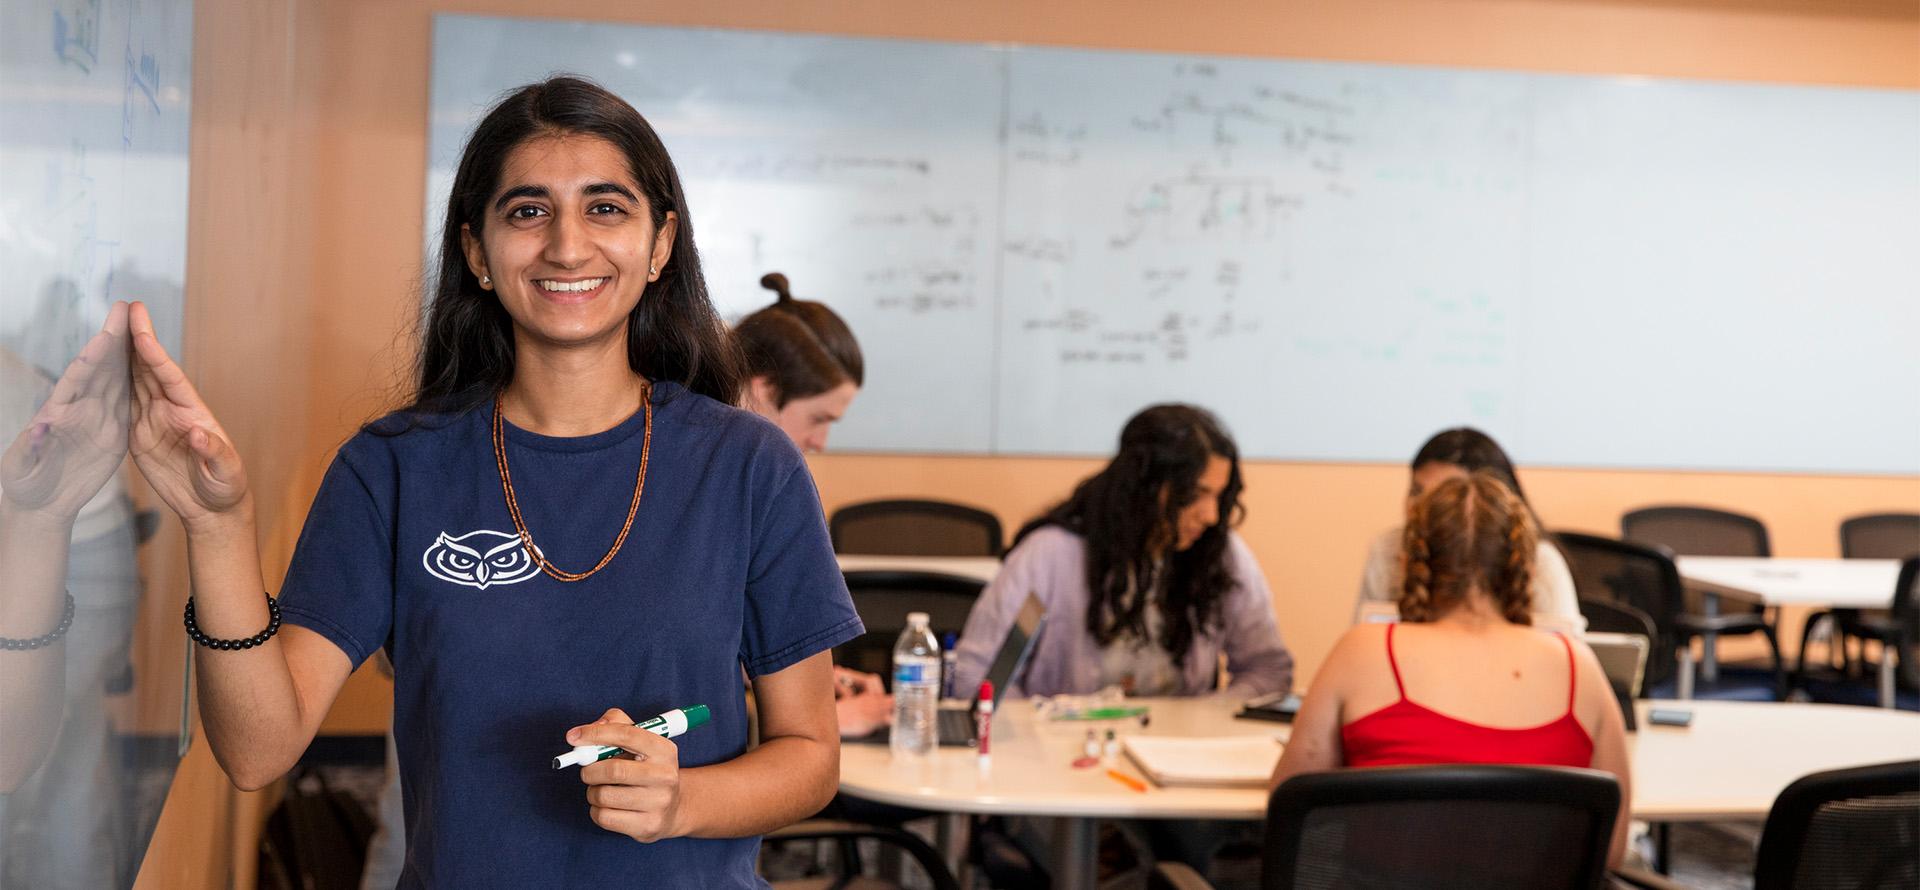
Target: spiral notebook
{"type": "Point", "coordinates": [1217, 761]}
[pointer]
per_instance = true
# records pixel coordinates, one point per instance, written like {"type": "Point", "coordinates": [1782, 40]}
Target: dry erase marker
{"type": "Point", "coordinates": [673, 724]}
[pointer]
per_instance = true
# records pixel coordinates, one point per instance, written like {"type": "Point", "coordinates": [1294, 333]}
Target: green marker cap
{"type": "Point", "coordinates": [697, 715]}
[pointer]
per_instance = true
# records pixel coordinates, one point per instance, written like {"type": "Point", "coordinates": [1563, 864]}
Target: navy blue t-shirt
{"type": "Point", "coordinates": [409, 545]}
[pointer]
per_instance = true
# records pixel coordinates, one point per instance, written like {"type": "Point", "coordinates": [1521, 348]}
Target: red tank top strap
{"type": "Point", "coordinates": [1572, 671]}
{"type": "Point", "coordinates": [1394, 663]}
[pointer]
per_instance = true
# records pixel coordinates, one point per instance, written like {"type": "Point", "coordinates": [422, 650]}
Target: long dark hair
{"type": "Point", "coordinates": [1125, 512]}
{"type": "Point", "coordinates": [802, 347]}
{"type": "Point", "coordinates": [467, 352]}
{"type": "Point", "coordinates": [1476, 452]}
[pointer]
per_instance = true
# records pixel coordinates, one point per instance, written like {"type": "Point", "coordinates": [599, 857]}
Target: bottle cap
{"type": "Point", "coordinates": [918, 620]}
{"type": "Point", "coordinates": [986, 691]}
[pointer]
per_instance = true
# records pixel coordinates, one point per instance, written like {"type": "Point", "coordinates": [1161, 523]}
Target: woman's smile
{"type": "Point", "coordinates": [569, 291]}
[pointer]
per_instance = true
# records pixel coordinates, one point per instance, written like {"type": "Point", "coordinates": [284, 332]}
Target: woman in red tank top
{"type": "Point", "coordinates": [1464, 678]}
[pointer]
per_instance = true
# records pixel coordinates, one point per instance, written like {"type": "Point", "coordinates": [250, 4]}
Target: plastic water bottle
{"type": "Point", "coordinates": [949, 659]}
{"type": "Point", "coordinates": [916, 689]}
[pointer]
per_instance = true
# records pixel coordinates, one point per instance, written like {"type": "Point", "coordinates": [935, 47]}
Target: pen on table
{"type": "Point", "coordinates": [1127, 780]}
{"type": "Point", "coordinates": [672, 724]}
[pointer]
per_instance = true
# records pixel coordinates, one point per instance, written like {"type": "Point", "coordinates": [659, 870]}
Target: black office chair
{"type": "Point", "coordinates": [1875, 536]}
{"type": "Point", "coordinates": [1697, 531]}
{"type": "Point", "coordinates": [1700, 531]}
{"type": "Point", "coordinates": [1433, 827]}
{"type": "Point", "coordinates": [883, 600]}
{"type": "Point", "coordinates": [847, 865]}
{"type": "Point", "coordinates": [1849, 828]}
{"type": "Point", "coordinates": [1645, 578]}
{"type": "Point", "coordinates": [1896, 629]}
{"type": "Point", "coordinates": [914, 528]}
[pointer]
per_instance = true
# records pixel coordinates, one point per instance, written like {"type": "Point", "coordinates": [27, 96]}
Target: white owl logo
{"type": "Point", "coordinates": [480, 559]}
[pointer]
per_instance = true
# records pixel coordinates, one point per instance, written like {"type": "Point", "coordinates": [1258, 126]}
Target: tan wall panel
{"type": "Point", "coordinates": [1310, 524]}
{"type": "Point", "coordinates": [245, 346]}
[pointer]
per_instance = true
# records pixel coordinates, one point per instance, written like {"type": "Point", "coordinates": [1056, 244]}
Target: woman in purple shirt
{"type": "Point", "coordinates": [1144, 581]}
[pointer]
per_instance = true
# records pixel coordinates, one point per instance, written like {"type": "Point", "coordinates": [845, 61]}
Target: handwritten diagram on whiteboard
{"type": "Point", "coordinates": [1339, 259]}
{"type": "Point", "coordinates": [94, 110]}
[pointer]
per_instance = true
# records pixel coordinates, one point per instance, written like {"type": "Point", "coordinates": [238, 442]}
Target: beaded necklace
{"type": "Point", "coordinates": [513, 503]}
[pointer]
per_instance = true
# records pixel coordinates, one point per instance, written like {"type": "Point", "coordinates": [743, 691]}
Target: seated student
{"type": "Point", "coordinates": [1463, 678]}
{"type": "Point", "coordinates": [803, 365]}
{"type": "Point", "coordinates": [1452, 454]}
{"type": "Point", "coordinates": [1144, 581]}
{"type": "Point", "coordinates": [803, 369]}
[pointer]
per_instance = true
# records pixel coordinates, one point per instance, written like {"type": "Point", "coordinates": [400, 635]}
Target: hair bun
{"type": "Point", "coordinates": [776, 282]}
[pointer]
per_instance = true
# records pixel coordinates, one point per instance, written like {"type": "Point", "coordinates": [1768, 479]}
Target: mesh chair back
{"type": "Point", "coordinates": [1881, 536]}
{"type": "Point", "coordinates": [1697, 531]}
{"type": "Point", "coordinates": [1850, 828]}
{"type": "Point", "coordinates": [1616, 617]}
{"type": "Point", "coordinates": [884, 598]}
{"type": "Point", "coordinates": [1700, 531]}
{"type": "Point", "coordinates": [1440, 827]}
{"type": "Point", "coordinates": [1906, 617]}
{"type": "Point", "coordinates": [915, 528]}
{"type": "Point", "coordinates": [1641, 578]}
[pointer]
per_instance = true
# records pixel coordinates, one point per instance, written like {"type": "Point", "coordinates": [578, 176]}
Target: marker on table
{"type": "Point", "coordinates": [1127, 780]}
{"type": "Point", "coordinates": [673, 724]}
{"type": "Point", "coordinates": [1118, 712]}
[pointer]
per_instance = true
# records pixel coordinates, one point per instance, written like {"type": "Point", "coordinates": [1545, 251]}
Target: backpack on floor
{"type": "Point", "coordinates": [316, 839]}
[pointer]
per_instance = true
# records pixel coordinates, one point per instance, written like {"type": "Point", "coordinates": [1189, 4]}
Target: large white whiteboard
{"type": "Point", "coordinates": [94, 110]}
{"type": "Point", "coordinates": [1338, 258]}
{"type": "Point", "coordinates": [95, 99]}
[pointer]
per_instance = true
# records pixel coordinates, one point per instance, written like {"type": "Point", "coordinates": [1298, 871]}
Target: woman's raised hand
{"type": "Point", "coordinates": [176, 442]}
{"type": "Point", "coordinates": [79, 436]}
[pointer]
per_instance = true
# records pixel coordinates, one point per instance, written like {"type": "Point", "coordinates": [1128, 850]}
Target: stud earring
{"type": "Point", "coordinates": [654, 270]}
{"type": "Point", "coordinates": [486, 281]}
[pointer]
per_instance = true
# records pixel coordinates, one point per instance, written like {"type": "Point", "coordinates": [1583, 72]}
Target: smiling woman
{"type": "Point", "coordinates": [569, 520]}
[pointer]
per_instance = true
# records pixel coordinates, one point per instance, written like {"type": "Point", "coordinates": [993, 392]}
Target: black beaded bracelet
{"type": "Point", "coordinates": [273, 627]}
{"type": "Point", "coordinates": [44, 640]}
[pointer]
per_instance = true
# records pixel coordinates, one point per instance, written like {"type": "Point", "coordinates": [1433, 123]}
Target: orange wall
{"type": "Point", "coordinates": [1310, 524]}
{"type": "Point", "coordinates": [309, 176]}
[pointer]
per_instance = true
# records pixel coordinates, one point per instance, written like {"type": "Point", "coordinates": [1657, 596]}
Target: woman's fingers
{"type": "Point", "coordinates": [611, 716]}
{"type": "Point", "coordinates": [622, 734]}
{"type": "Point", "coordinates": [100, 365]}
{"type": "Point", "coordinates": [73, 382]}
{"type": "Point", "coordinates": [114, 356]}
{"type": "Point", "coordinates": [218, 462]}
{"type": "Point", "coordinates": [645, 827]}
{"type": "Point", "coordinates": [625, 772]}
{"type": "Point", "coordinates": [637, 798]}
{"type": "Point", "coordinates": [165, 378]}
{"type": "Point", "coordinates": [157, 372]}
{"type": "Point", "coordinates": [641, 798]}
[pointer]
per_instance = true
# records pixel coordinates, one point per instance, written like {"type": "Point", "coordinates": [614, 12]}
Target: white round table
{"type": "Point", "coordinates": [1729, 764]}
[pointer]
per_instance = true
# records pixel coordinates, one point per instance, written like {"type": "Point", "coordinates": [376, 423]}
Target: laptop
{"type": "Point", "coordinates": [954, 720]}
{"type": "Point", "coordinates": [1624, 659]}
